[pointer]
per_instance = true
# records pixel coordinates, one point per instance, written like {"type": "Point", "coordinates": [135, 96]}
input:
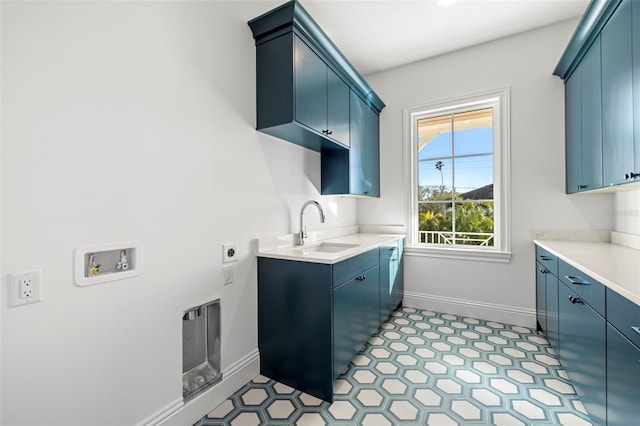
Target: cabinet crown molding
{"type": "Point", "coordinates": [291, 16]}
{"type": "Point", "coordinates": [594, 19]}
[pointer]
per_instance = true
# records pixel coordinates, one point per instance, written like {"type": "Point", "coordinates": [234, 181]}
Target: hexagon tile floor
{"type": "Point", "coordinates": [425, 368]}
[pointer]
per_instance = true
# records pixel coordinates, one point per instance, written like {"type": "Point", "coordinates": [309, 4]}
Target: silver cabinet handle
{"type": "Point", "coordinates": [636, 329]}
{"type": "Point", "coordinates": [542, 270]}
{"type": "Point", "coordinates": [543, 257]}
{"type": "Point", "coordinates": [575, 300]}
{"type": "Point", "coordinates": [361, 277]}
{"type": "Point", "coordinates": [576, 280]}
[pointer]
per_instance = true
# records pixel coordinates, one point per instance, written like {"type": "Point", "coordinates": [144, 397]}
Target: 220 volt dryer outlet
{"type": "Point", "coordinates": [229, 252]}
{"type": "Point", "coordinates": [26, 287]}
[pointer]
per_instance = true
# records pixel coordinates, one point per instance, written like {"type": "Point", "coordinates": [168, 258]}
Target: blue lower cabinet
{"type": "Point", "coordinates": [295, 335]}
{"type": "Point", "coordinates": [596, 333]}
{"type": "Point", "coordinates": [369, 283]}
{"type": "Point", "coordinates": [541, 297]}
{"type": "Point", "coordinates": [623, 380]}
{"type": "Point", "coordinates": [398, 285]}
{"type": "Point", "coordinates": [551, 304]}
{"type": "Point", "coordinates": [547, 303]}
{"type": "Point", "coordinates": [346, 316]}
{"type": "Point", "coordinates": [313, 318]}
{"type": "Point", "coordinates": [391, 278]}
{"type": "Point", "coordinates": [355, 316]}
{"type": "Point", "coordinates": [582, 336]}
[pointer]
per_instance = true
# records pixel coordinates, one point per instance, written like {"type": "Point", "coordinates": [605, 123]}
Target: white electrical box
{"type": "Point", "coordinates": [26, 287]}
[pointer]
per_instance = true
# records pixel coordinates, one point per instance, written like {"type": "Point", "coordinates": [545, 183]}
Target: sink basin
{"type": "Point", "coordinates": [327, 248]}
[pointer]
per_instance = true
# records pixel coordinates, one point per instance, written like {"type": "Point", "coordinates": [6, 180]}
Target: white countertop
{"type": "Point", "coordinates": [363, 242]}
{"type": "Point", "coordinates": [615, 266]}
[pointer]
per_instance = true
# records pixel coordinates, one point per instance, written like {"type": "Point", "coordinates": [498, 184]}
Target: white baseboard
{"type": "Point", "coordinates": [233, 378]}
{"type": "Point", "coordinates": [513, 315]}
{"type": "Point", "coordinates": [163, 414]}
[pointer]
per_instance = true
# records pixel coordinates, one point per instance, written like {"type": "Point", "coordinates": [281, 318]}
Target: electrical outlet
{"type": "Point", "coordinates": [26, 287]}
{"type": "Point", "coordinates": [229, 252]}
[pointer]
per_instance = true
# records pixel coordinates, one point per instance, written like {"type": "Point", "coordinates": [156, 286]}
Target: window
{"type": "Point", "coordinates": [458, 165]}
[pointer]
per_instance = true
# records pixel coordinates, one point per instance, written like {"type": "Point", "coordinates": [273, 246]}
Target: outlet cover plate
{"type": "Point", "coordinates": [227, 274]}
{"type": "Point", "coordinates": [229, 252]}
{"type": "Point", "coordinates": [26, 287]}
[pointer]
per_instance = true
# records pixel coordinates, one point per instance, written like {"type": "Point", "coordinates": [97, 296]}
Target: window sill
{"type": "Point", "coordinates": [458, 253]}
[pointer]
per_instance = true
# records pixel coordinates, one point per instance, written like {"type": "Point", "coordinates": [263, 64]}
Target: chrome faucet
{"type": "Point", "coordinates": [303, 233]}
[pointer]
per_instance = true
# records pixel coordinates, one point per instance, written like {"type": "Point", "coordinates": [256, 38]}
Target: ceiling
{"type": "Point", "coordinates": [380, 34]}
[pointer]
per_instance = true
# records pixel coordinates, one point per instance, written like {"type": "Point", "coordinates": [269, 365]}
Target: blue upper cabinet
{"type": "Point", "coordinates": [337, 108]}
{"type": "Point", "coordinates": [583, 123]}
{"type": "Point", "coordinates": [303, 81]}
{"type": "Point", "coordinates": [573, 131]}
{"type": "Point", "coordinates": [591, 110]}
{"type": "Point", "coordinates": [321, 97]}
{"type": "Point", "coordinates": [310, 82]}
{"type": "Point", "coordinates": [309, 94]}
{"type": "Point", "coordinates": [617, 96]}
{"type": "Point", "coordinates": [635, 24]}
{"type": "Point", "coordinates": [371, 151]}
{"type": "Point", "coordinates": [603, 109]}
{"type": "Point", "coordinates": [357, 171]}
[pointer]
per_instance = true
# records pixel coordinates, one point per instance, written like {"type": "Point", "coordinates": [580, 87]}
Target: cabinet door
{"type": "Point", "coordinates": [551, 296]}
{"type": "Point", "coordinates": [357, 145]}
{"type": "Point", "coordinates": [388, 270]}
{"type": "Point", "coordinates": [372, 154]}
{"type": "Point", "coordinates": [541, 298]}
{"type": "Point", "coordinates": [391, 279]}
{"type": "Point", "coordinates": [635, 17]}
{"type": "Point", "coordinates": [370, 303]}
{"type": "Point", "coordinates": [346, 324]}
{"type": "Point", "coordinates": [364, 155]}
{"type": "Point", "coordinates": [398, 285]}
{"type": "Point", "coordinates": [337, 108]}
{"type": "Point", "coordinates": [582, 336]}
{"type": "Point", "coordinates": [311, 87]}
{"type": "Point", "coordinates": [573, 131]}
{"type": "Point", "coordinates": [592, 118]}
{"type": "Point", "coordinates": [617, 96]}
{"type": "Point", "coordinates": [623, 384]}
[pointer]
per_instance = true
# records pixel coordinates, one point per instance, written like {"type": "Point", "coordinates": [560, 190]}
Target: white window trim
{"type": "Point", "coordinates": [500, 100]}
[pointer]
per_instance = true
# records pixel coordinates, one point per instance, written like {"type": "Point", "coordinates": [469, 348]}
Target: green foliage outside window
{"type": "Point", "coordinates": [470, 216]}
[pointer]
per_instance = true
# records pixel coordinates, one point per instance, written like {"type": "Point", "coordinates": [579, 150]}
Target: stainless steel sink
{"type": "Point", "coordinates": [327, 248]}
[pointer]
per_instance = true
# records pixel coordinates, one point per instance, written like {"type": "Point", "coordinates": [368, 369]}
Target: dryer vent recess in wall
{"type": "Point", "coordinates": [200, 348]}
{"type": "Point", "coordinates": [100, 263]}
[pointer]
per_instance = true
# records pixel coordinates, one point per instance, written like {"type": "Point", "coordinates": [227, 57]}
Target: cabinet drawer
{"type": "Point", "coordinates": [624, 315]}
{"type": "Point", "coordinates": [388, 251]}
{"type": "Point", "coordinates": [589, 290]}
{"type": "Point", "coordinates": [548, 260]}
{"type": "Point", "coordinates": [349, 268]}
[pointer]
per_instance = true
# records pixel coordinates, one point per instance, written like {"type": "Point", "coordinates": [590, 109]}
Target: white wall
{"type": "Point", "coordinates": [626, 212]}
{"type": "Point", "coordinates": [524, 63]}
{"type": "Point", "coordinates": [134, 121]}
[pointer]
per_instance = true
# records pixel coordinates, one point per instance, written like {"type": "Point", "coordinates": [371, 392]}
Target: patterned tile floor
{"type": "Point", "coordinates": [425, 368]}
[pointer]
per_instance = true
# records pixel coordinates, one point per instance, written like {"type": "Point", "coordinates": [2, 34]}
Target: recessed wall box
{"type": "Point", "coordinates": [100, 263]}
